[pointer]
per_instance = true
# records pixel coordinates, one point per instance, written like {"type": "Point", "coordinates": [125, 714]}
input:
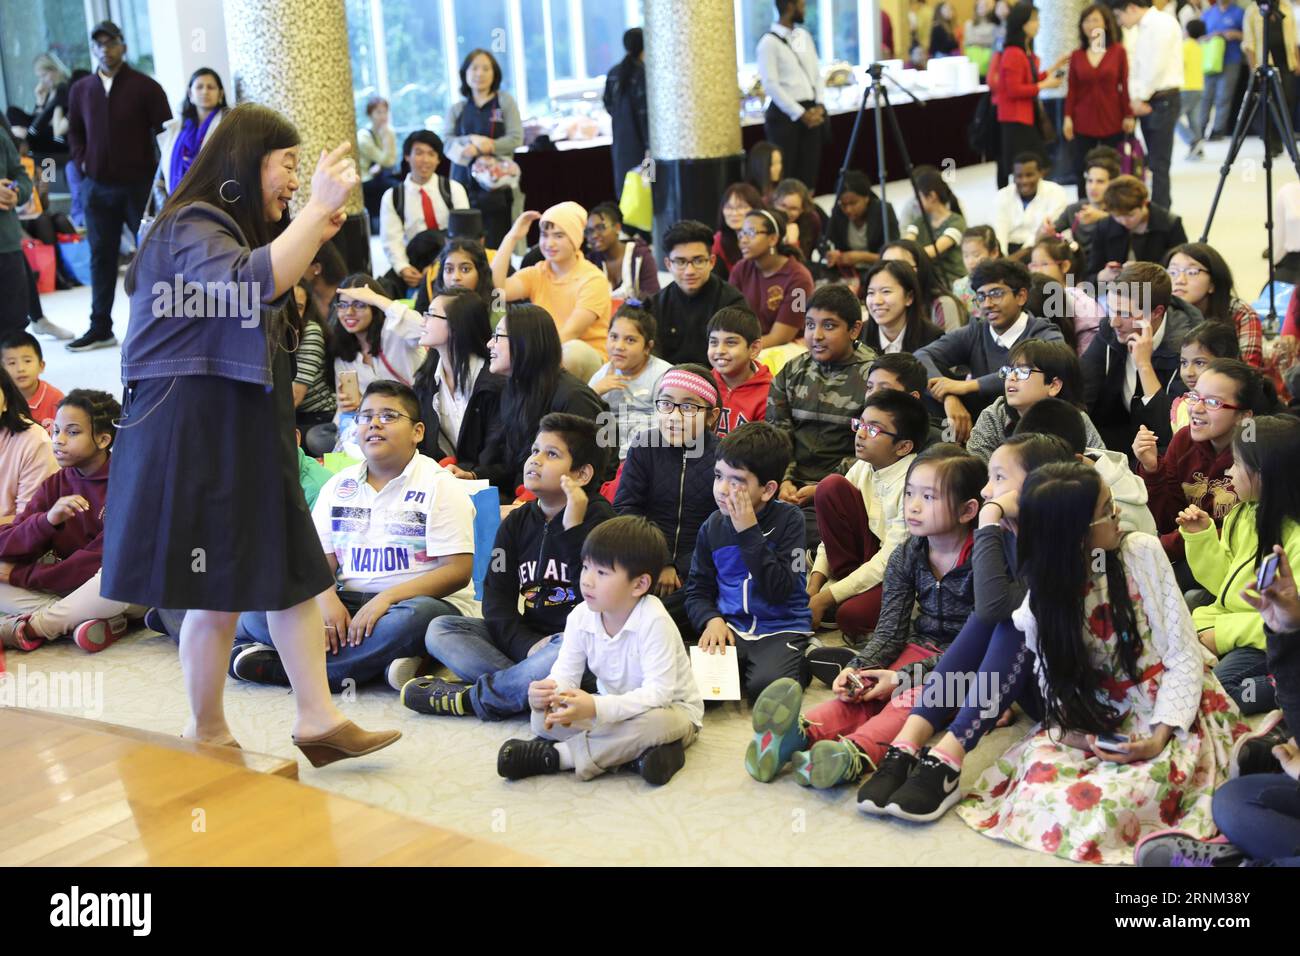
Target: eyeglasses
{"type": "Point", "coordinates": [1213, 404]}
{"type": "Point", "coordinates": [1113, 516]}
{"type": "Point", "coordinates": [698, 262]}
{"type": "Point", "coordinates": [1191, 272]}
{"type": "Point", "coordinates": [751, 233]}
{"type": "Point", "coordinates": [386, 417]}
{"type": "Point", "coordinates": [350, 305]}
{"type": "Point", "coordinates": [435, 315]}
{"type": "Point", "coordinates": [598, 227]}
{"type": "Point", "coordinates": [736, 207]}
{"type": "Point", "coordinates": [496, 337]}
{"type": "Point", "coordinates": [668, 406]}
{"type": "Point", "coordinates": [1020, 373]}
{"type": "Point", "coordinates": [871, 428]}
{"type": "Point", "coordinates": [992, 295]}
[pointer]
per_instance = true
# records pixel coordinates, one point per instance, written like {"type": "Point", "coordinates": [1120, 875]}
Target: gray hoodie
{"type": "Point", "coordinates": [1129, 491]}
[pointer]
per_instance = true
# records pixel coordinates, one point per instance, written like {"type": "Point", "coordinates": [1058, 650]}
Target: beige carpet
{"type": "Point", "coordinates": [444, 771]}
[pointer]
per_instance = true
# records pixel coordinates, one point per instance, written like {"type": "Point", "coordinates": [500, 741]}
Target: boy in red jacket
{"type": "Point", "coordinates": [742, 383]}
{"type": "Point", "coordinates": [50, 556]}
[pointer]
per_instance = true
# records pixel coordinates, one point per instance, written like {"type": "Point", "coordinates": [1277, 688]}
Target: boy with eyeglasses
{"type": "Point", "coordinates": [1001, 289]}
{"type": "Point", "coordinates": [398, 531]}
{"type": "Point", "coordinates": [860, 514]}
{"type": "Point", "coordinates": [683, 309]}
{"type": "Point", "coordinates": [629, 263]}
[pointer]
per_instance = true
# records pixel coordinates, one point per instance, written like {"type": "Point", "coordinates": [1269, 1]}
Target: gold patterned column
{"type": "Point", "coordinates": [694, 106]}
{"type": "Point", "coordinates": [292, 55]}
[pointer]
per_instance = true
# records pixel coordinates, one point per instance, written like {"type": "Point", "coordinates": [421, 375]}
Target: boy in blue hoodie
{"type": "Point", "coordinates": [747, 585]}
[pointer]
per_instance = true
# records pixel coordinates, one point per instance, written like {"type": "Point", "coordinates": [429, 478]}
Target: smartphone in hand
{"type": "Point", "coordinates": [1267, 572]}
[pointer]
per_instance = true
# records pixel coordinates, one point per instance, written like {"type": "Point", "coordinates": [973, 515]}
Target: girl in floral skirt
{"type": "Point", "coordinates": [1137, 730]}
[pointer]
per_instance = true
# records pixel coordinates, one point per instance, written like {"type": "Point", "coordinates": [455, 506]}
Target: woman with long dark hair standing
{"type": "Point", "coordinates": [1019, 83]}
{"type": "Point", "coordinates": [204, 506]}
{"type": "Point", "coordinates": [1097, 109]}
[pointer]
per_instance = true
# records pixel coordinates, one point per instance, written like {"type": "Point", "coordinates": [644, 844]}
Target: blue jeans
{"type": "Point", "coordinates": [1243, 672]}
{"type": "Point", "coordinates": [1217, 95]}
{"type": "Point", "coordinates": [109, 207]}
{"type": "Point", "coordinates": [1190, 131]}
{"type": "Point", "coordinates": [1260, 814]}
{"type": "Point", "coordinates": [500, 684]}
{"type": "Point", "coordinates": [994, 663]}
{"type": "Point", "coordinates": [77, 213]}
{"type": "Point", "coordinates": [399, 633]}
{"type": "Point", "coordinates": [1158, 134]}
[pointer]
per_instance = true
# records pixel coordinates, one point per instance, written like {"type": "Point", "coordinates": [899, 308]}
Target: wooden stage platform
{"type": "Point", "coordinates": [78, 792]}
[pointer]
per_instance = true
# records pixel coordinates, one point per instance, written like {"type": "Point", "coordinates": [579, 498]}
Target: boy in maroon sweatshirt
{"type": "Point", "coordinates": [50, 556]}
{"type": "Point", "coordinates": [742, 383]}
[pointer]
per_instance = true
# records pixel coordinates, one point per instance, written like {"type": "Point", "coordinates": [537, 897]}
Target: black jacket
{"type": "Point", "coordinates": [673, 487]}
{"type": "Point", "coordinates": [1110, 241]}
{"type": "Point", "coordinates": [1283, 654]}
{"type": "Point", "coordinates": [540, 560]}
{"type": "Point", "coordinates": [626, 102]}
{"type": "Point", "coordinates": [1103, 380]}
{"type": "Point", "coordinates": [502, 460]}
{"type": "Point", "coordinates": [839, 227]}
{"type": "Point", "coordinates": [683, 319]}
{"type": "Point", "coordinates": [480, 414]}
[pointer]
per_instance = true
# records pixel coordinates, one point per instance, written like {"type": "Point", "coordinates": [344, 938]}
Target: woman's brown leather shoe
{"type": "Point", "coordinates": [346, 740]}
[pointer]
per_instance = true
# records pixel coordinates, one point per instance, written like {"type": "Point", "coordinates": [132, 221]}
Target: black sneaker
{"type": "Point", "coordinates": [1253, 752]}
{"type": "Point", "coordinates": [433, 695]}
{"type": "Point", "coordinates": [825, 663]}
{"type": "Point", "coordinates": [259, 664]}
{"type": "Point", "coordinates": [94, 339]}
{"type": "Point", "coordinates": [928, 793]}
{"type": "Point", "coordinates": [518, 759]}
{"type": "Point", "coordinates": [658, 764]}
{"type": "Point", "coordinates": [875, 794]}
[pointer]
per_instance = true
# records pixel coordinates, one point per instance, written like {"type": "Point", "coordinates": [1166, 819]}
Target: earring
{"type": "Point", "coordinates": [222, 191]}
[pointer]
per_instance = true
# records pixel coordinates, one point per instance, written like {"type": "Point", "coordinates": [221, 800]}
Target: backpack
{"type": "Point", "coordinates": [983, 134]}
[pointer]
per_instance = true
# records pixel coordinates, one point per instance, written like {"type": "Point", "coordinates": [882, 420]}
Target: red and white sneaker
{"type": "Point", "coordinates": [15, 634]}
{"type": "Point", "coordinates": [93, 636]}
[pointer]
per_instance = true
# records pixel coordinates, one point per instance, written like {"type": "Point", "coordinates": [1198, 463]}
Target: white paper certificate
{"type": "Point", "coordinates": [717, 675]}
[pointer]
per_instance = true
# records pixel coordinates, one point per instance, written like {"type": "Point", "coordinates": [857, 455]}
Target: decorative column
{"type": "Point", "coordinates": [292, 55]}
{"type": "Point", "coordinates": [694, 107]}
{"type": "Point", "coordinates": [1058, 34]}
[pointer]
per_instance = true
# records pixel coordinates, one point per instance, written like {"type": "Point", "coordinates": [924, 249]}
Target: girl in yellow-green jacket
{"type": "Point", "coordinates": [1265, 466]}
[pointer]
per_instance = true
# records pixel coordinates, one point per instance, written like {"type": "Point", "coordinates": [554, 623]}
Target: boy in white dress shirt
{"type": "Point", "coordinates": [647, 709]}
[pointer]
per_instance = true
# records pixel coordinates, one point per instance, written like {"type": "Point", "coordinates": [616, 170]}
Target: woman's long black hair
{"type": "Point", "coordinates": [758, 167]}
{"type": "Point", "coordinates": [1057, 504]}
{"type": "Point", "coordinates": [932, 282]}
{"type": "Point", "coordinates": [919, 331]}
{"type": "Point", "coordinates": [1219, 302]}
{"type": "Point", "coordinates": [17, 416]}
{"type": "Point", "coordinates": [342, 343]}
{"type": "Point", "coordinates": [467, 319]}
{"type": "Point", "coordinates": [474, 250]}
{"type": "Point", "coordinates": [535, 357]}
{"type": "Point", "coordinates": [928, 179]}
{"type": "Point", "coordinates": [1270, 447]}
{"type": "Point", "coordinates": [1020, 14]}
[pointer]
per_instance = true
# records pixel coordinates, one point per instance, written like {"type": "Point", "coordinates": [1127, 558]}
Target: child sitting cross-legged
{"type": "Point", "coordinates": [647, 709]}
{"type": "Point", "coordinates": [64, 520]}
{"type": "Point", "coordinates": [860, 514]}
{"type": "Point", "coordinates": [536, 557]}
{"type": "Point", "coordinates": [747, 585]}
{"type": "Point", "coordinates": [840, 740]}
{"type": "Point", "coordinates": [398, 531]}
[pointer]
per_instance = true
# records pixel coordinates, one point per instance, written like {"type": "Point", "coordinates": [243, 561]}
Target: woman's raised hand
{"type": "Point", "coordinates": [335, 177]}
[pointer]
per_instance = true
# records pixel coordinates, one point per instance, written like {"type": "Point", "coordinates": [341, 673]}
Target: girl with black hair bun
{"type": "Point", "coordinates": [26, 457]}
{"type": "Point", "coordinates": [1265, 461]}
{"type": "Point", "coordinates": [773, 281]}
{"type": "Point", "coordinates": [1136, 732]}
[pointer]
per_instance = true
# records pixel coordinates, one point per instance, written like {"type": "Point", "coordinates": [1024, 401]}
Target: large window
{"type": "Point", "coordinates": [410, 50]}
{"type": "Point", "coordinates": [31, 29]}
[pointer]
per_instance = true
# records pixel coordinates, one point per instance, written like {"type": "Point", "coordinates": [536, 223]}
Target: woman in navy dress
{"type": "Point", "coordinates": [206, 512]}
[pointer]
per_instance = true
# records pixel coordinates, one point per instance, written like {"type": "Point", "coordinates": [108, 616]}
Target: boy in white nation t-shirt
{"type": "Point", "coordinates": [398, 531]}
